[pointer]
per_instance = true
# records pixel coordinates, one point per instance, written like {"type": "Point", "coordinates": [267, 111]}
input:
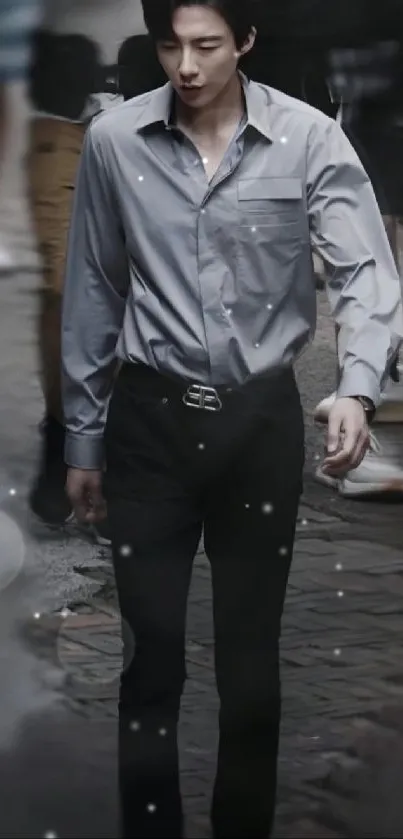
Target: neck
{"type": "Point", "coordinates": [226, 109]}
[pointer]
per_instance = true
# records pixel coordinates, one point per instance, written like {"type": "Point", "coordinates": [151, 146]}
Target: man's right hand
{"type": "Point", "coordinates": [84, 489]}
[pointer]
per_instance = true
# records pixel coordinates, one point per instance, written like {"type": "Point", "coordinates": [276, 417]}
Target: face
{"type": "Point", "coordinates": [202, 57]}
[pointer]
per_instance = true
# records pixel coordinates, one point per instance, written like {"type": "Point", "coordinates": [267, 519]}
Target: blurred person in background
{"type": "Point", "coordinates": [18, 20]}
{"type": "Point", "coordinates": [365, 75]}
{"type": "Point", "coordinates": [74, 76]}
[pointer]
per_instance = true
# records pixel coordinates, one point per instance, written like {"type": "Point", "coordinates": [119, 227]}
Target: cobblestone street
{"type": "Point", "coordinates": [341, 656]}
{"type": "Point", "coordinates": [61, 651]}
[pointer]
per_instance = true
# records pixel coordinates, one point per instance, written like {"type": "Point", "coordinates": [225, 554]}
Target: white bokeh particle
{"type": "Point", "coordinates": [163, 732]}
{"type": "Point", "coordinates": [338, 566]}
{"type": "Point", "coordinates": [267, 508]}
{"type": "Point", "coordinates": [337, 651]}
{"type": "Point", "coordinates": [304, 522]}
{"type": "Point", "coordinates": [151, 808]}
{"type": "Point", "coordinates": [201, 446]}
{"type": "Point", "coordinates": [340, 594]}
{"type": "Point", "coordinates": [135, 725]}
{"type": "Point", "coordinates": [37, 615]}
{"type": "Point", "coordinates": [141, 177]}
{"type": "Point", "coordinates": [247, 506]}
{"type": "Point", "coordinates": [283, 551]}
{"type": "Point", "coordinates": [12, 491]}
{"type": "Point", "coordinates": [125, 550]}
{"type": "Point", "coordinates": [50, 834]}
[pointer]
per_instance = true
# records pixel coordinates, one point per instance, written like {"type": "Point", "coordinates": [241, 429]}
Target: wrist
{"type": "Point", "coordinates": [367, 405]}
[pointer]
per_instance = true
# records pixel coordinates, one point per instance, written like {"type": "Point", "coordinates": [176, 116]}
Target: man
{"type": "Point", "coordinates": [74, 76]}
{"type": "Point", "coordinates": [190, 262]}
{"type": "Point", "coordinates": [18, 20]}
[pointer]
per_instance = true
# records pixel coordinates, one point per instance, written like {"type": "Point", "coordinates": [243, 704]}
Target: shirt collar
{"type": "Point", "coordinates": [158, 108]}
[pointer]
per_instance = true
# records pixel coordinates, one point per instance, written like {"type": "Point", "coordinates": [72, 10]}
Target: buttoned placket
{"type": "Point", "coordinates": [192, 162]}
{"type": "Point", "coordinates": [219, 314]}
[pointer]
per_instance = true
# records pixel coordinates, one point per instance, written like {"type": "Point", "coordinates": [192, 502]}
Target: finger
{"type": "Point", "coordinates": [339, 463]}
{"type": "Point", "coordinates": [349, 459]}
{"type": "Point", "coordinates": [348, 440]}
{"type": "Point", "coordinates": [97, 506]}
{"type": "Point", "coordinates": [335, 469]}
{"type": "Point", "coordinates": [81, 508]}
{"type": "Point", "coordinates": [339, 460]}
{"type": "Point", "coordinates": [360, 450]}
{"type": "Point", "coordinates": [353, 432]}
{"type": "Point", "coordinates": [333, 434]}
{"type": "Point", "coordinates": [79, 500]}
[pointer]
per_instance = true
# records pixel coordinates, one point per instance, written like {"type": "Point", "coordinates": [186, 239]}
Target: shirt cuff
{"type": "Point", "coordinates": [360, 382]}
{"type": "Point", "coordinates": [84, 452]}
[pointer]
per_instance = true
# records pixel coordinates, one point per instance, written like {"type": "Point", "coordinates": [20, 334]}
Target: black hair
{"type": "Point", "coordinates": [240, 15]}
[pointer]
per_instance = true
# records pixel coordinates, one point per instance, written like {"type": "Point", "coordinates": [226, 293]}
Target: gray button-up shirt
{"type": "Point", "coordinates": [213, 282]}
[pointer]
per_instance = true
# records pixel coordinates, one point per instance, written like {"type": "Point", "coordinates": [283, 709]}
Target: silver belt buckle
{"type": "Point", "coordinates": [202, 398]}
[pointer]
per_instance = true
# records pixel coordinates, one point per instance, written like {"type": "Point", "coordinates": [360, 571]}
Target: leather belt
{"type": "Point", "coordinates": [199, 396]}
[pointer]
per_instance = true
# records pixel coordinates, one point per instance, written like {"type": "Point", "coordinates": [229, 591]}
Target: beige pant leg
{"type": "Point", "coordinates": [53, 157]}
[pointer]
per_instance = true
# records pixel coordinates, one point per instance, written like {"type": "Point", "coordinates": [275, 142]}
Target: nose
{"type": "Point", "coordinates": [188, 69]}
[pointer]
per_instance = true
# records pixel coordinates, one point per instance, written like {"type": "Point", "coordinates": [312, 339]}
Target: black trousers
{"type": "Point", "coordinates": [170, 470]}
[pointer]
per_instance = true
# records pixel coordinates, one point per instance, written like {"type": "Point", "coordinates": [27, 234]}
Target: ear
{"type": "Point", "coordinates": [247, 46]}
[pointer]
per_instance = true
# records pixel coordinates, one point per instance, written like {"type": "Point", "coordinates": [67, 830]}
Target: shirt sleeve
{"type": "Point", "coordinates": [363, 285]}
{"type": "Point", "coordinates": [18, 20]}
{"type": "Point", "coordinates": [95, 291]}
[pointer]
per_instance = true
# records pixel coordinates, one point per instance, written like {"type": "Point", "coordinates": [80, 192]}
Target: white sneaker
{"type": "Point", "coordinates": [376, 475]}
{"type": "Point", "coordinates": [390, 409]}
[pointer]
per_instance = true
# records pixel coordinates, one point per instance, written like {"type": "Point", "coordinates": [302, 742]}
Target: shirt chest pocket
{"type": "Point", "coordinates": [270, 202]}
